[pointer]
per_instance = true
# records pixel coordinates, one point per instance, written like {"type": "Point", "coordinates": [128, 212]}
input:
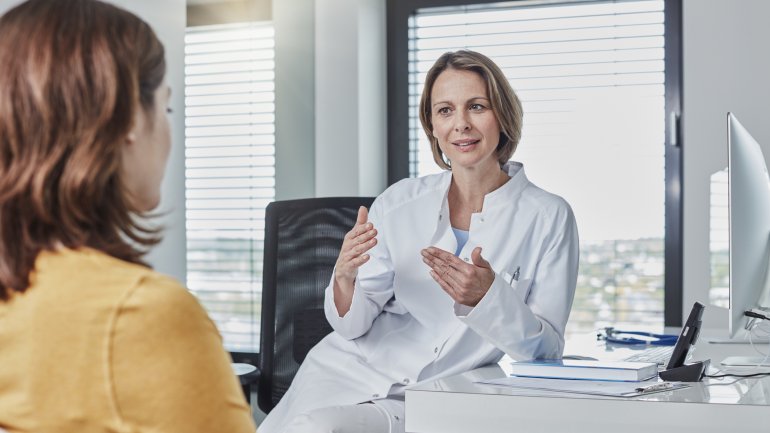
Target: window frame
{"type": "Point", "coordinates": [398, 13]}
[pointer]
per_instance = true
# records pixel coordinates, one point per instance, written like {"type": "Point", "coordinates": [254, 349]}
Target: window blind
{"type": "Point", "coordinates": [229, 171]}
{"type": "Point", "coordinates": [592, 82]}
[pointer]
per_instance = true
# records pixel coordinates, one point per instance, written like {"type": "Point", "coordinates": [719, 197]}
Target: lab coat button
{"type": "Point", "coordinates": [406, 381]}
{"type": "Point", "coordinates": [375, 395]}
{"type": "Point", "coordinates": [435, 350]}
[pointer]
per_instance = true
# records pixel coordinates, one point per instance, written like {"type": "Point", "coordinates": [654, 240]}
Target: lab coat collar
{"type": "Point", "coordinates": [443, 237]}
{"type": "Point", "coordinates": [512, 187]}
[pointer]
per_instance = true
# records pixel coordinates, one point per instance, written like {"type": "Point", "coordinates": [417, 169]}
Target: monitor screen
{"type": "Point", "coordinates": [749, 221]}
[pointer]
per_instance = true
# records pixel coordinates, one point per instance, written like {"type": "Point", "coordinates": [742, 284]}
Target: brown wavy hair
{"type": "Point", "coordinates": [505, 104]}
{"type": "Point", "coordinates": [72, 76]}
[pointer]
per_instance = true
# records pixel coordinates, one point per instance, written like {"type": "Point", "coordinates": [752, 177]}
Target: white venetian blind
{"type": "Point", "coordinates": [230, 171]}
{"type": "Point", "coordinates": [591, 78]}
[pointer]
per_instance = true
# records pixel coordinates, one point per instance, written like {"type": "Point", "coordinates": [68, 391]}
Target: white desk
{"type": "Point", "coordinates": [457, 404]}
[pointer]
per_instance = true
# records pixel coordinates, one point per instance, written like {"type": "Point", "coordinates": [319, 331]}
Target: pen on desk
{"type": "Point", "coordinates": [655, 387]}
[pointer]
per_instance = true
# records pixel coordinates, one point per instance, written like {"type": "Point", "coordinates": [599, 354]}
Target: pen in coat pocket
{"type": "Point", "coordinates": [515, 276]}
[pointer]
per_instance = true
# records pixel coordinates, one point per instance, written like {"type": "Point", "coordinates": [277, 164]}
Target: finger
{"type": "Point", "coordinates": [348, 262]}
{"type": "Point", "coordinates": [431, 261]}
{"type": "Point", "coordinates": [444, 256]}
{"type": "Point", "coordinates": [439, 266]}
{"type": "Point", "coordinates": [360, 260]}
{"type": "Point", "coordinates": [352, 247]}
{"type": "Point", "coordinates": [435, 265]}
{"type": "Point", "coordinates": [479, 261]}
{"type": "Point", "coordinates": [365, 236]}
{"type": "Point", "coordinates": [354, 261]}
{"type": "Point", "coordinates": [449, 274]}
{"type": "Point", "coordinates": [357, 250]}
{"type": "Point", "coordinates": [364, 246]}
{"type": "Point", "coordinates": [358, 230]}
{"type": "Point", "coordinates": [363, 215]}
{"type": "Point", "coordinates": [438, 252]}
{"type": "Point", "coordinates": [445, 286]}
{"type": "Point", "coordinates": [454, 278]}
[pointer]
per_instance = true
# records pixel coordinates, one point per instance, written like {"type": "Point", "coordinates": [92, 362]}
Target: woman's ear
{"type": "Point", "coordinates": [136, 128]}
{"type": "Point", "coordinates": [130, 138]}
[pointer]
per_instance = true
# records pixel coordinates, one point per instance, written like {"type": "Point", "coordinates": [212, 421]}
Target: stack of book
{"type": "Point", "coordinates": [585, 370]}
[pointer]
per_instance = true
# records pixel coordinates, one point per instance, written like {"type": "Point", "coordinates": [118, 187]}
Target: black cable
{"type": "Point", "coordinates": [756, 315]}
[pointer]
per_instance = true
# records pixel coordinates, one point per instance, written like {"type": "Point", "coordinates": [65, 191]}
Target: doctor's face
{"type": "Point", "coordinates": [463, 121]}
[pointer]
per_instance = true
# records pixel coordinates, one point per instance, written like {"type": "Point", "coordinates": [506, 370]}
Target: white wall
{"type": "Point", "coordinates": [726, 68]}
{"type": "Point", "coordinates": [372, 98]}
{"type": "Point", "coordinates": [330, 98]}
{"type": "Point", "coordinates": [294, 22]}
{"type": "Point", "coordinates": [350, 97]}
{"type": "Point", "coordinates": [168, 20]}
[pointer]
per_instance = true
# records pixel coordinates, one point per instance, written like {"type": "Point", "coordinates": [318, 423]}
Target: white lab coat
{"type": "Point", "coordinates": [402, 328]}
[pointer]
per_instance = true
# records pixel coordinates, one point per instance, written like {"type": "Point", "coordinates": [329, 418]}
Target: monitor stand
{"type": "Point", "coordinates": [746, 361]}
{"type": "Point", "coordinates": [760, 341]}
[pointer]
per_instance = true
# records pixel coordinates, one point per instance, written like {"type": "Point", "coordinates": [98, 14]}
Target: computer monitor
{"type": "Point", "coordinates": [749, 226]}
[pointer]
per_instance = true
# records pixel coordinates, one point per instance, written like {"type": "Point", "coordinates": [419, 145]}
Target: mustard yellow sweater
{"type": "Point", "coordinates": [100, 345]}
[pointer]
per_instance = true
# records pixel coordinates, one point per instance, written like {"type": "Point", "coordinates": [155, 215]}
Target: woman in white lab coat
{"type": "Point", "coordinates": [445, 273]}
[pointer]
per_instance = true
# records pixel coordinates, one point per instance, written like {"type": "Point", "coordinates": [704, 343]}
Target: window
{"type": "Point", "coordinates": [230, 171]}
{"type": "Point", "coordinates": [592, 79]}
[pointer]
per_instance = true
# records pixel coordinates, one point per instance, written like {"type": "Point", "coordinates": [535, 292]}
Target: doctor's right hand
{"type": "Point", "coordinates": [360, 239]}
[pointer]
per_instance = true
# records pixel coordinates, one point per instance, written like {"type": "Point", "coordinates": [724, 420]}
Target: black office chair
{"type": "Point", "coordinates": [302, 242]}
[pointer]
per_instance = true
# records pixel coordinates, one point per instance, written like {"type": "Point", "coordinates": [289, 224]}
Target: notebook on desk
{"type": "Point", "coordinates": [585, 370]}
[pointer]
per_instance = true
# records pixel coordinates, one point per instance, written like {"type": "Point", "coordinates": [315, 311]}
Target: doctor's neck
{"type": "Point", "coordinates": [470, 186]}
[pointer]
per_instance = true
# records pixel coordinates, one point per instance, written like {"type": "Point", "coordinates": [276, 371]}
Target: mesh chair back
{"type": "Point", "coordinates": [302, 242]}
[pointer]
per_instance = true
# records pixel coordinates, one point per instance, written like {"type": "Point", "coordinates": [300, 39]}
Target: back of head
{"type": "Point", "coordinates": [73, 75]}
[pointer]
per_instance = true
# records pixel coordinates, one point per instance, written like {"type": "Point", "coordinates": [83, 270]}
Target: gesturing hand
{"type": "Point", "coordinates": [465, 282]}
{"type": "Point", "coordinates": [359, 240]}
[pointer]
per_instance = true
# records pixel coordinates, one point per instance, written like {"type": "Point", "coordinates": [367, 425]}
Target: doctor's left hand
{"type": "Point", "coordinates": [465, 282]}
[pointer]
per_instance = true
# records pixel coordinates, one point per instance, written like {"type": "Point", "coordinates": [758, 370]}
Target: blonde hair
{"type": "Point", "coordinates": [505, 104]}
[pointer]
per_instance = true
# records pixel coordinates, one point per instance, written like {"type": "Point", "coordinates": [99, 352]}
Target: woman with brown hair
{"type": "Point", "coordinates": [91, 338]}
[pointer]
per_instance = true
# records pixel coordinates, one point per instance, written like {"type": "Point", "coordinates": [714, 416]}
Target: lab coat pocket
{"type": "Point", "coordinates": [522, 287]}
